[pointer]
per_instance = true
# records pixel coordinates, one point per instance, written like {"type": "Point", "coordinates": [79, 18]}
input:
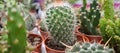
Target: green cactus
{"type": "Point", "coordinates": [60, 22]}
{"type": "Point", "coordinates": [90, 19]}
{"type": "Point", "coordinates": [110, 28]}
{"type": "Point", "coordinates": [16, 32]}
{"type": "Point", "coordinates": [30, 22]}
{"type": "Point", "coordinates": [90, 48]}
{"type": "Point", "coordinates": [15, 26]}
{"type": "Point", "coordinates": [108, 9]}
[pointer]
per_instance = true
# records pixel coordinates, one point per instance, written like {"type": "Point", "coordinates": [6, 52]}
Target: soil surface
{"type": "Point", "coordinates": [34, 40]}
{"type": "Point", "coordinates": [51, 44]}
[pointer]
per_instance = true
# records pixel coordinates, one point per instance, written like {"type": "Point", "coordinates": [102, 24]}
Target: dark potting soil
{"type": "Point", "coordinates": [52, 45]}
{"type": "Point", "coordinates": [34, 40]}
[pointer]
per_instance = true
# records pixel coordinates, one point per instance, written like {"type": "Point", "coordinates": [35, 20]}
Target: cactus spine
{"type": "Point", "coordinates": [90, 20]}
{"type": "Point", "coordinates": [89, 48]}
{"type": "Point", "coordinates": [60, 22]}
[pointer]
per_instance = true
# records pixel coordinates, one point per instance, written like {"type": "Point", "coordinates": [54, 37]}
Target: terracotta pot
{"type": "Point", "coordinates": [94, 38]}
{"type": "Point", "coordinates": [32, 36]}
{"type": "Point", "coordinates": [44, 34]}
{"type": "Point", "coordinates": [82, 38]}
{"type": "Point", "coordinates": [49, 50]}
{"type": "Point", "coordinates": [91, 38]}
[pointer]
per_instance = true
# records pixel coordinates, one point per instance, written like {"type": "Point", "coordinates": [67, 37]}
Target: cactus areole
{"type": "Point", "coordinates": [60, 22]}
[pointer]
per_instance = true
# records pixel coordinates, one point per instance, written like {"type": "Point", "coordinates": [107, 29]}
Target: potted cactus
{"type": "Point", "coordinates": [89, 20]}
{"type": "Point", "coordinates": [87, 47]}
{"type": "Point", "coordinates": [60, 22]}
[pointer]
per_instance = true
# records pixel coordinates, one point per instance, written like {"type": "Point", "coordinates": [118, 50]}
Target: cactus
{"type": "Point", "coordinates": [30, 22]}
{"type": "Point", "coordinates": [60, 22]}
{"type": "Point", "coordinates": [15, 26]}
{"type": "Point", "coordinates": [90, 19]}
{"type": "Point", "coordinates": [87, 47]}
{"type": "Point", "coordinates": [16, 32]}
{"type": "Point", "coordinates": [110, 28]}
{"type": "Point", "coordinates": [109, 9]}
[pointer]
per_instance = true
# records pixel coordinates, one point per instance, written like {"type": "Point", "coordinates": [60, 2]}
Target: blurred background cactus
{"type": "Point", "coordinates": [89, 19]}
{"type": "Point", "coordinates": [72, 1]}
{"type": "Point", "coordinates": [89, 48]}
{"type": "Point", "coordinates": [30, 22]}
{"type": "Point", "coordinates": [60, 22]}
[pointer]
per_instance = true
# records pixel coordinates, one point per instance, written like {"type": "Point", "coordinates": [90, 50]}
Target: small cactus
{"type": "Point", "coordinates": [90, 19]}
{"type": "Point", "coordinates": [60, 21]}
{"type": "Point", "coordinates": [30, 22]}
{"type": "Point", "coordinates": [88, 48]}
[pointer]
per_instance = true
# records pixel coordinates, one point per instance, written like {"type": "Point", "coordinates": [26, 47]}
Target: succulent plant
{"type": "Point", "coordinates": [30, 22]}
{"type": "Point", "coordinates": [90, 19]}
{"type": "Point", "coordinates": [109, 9]}
{"type": "Point", "coordinates": [60, 22]}
{"type": "Point", "coordinates": [16, 32]}
{"type": "Point", "coordinates": [87, 47]}
{"type": "Point", "coordinates": [15, 26]}
{"type": "Point", "coordinates": [110, 26]}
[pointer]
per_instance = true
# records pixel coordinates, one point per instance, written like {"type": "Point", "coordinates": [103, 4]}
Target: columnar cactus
{"type": "Point", "coordinates": [16, 31]}
{"type": "Point", "coordinates": [110, 26]}
{"type": "Point", "coordinates": [15, 26]}
{"type": "Point", "coordinates": [89, 48]}
{"type": "Point", "coordinates": [90, 19]}
{"type": "Point", "coordinates": [109, 9]}
{"type": "Point", "coordinates": [60, 21]}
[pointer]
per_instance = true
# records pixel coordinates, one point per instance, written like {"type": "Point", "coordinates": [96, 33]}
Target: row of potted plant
{"type": "Point", "coordinates": [62, 31]}
{"type": "Point", "coordinates": [60, 23]}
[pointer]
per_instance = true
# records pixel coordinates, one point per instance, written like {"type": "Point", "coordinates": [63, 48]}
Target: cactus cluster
{"type": "Point", "coordinates": [87, 47]}
{"type": "Point", "coordinates": [60, 22]}
{"type": "Point", "coordinates": [90, 18]}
